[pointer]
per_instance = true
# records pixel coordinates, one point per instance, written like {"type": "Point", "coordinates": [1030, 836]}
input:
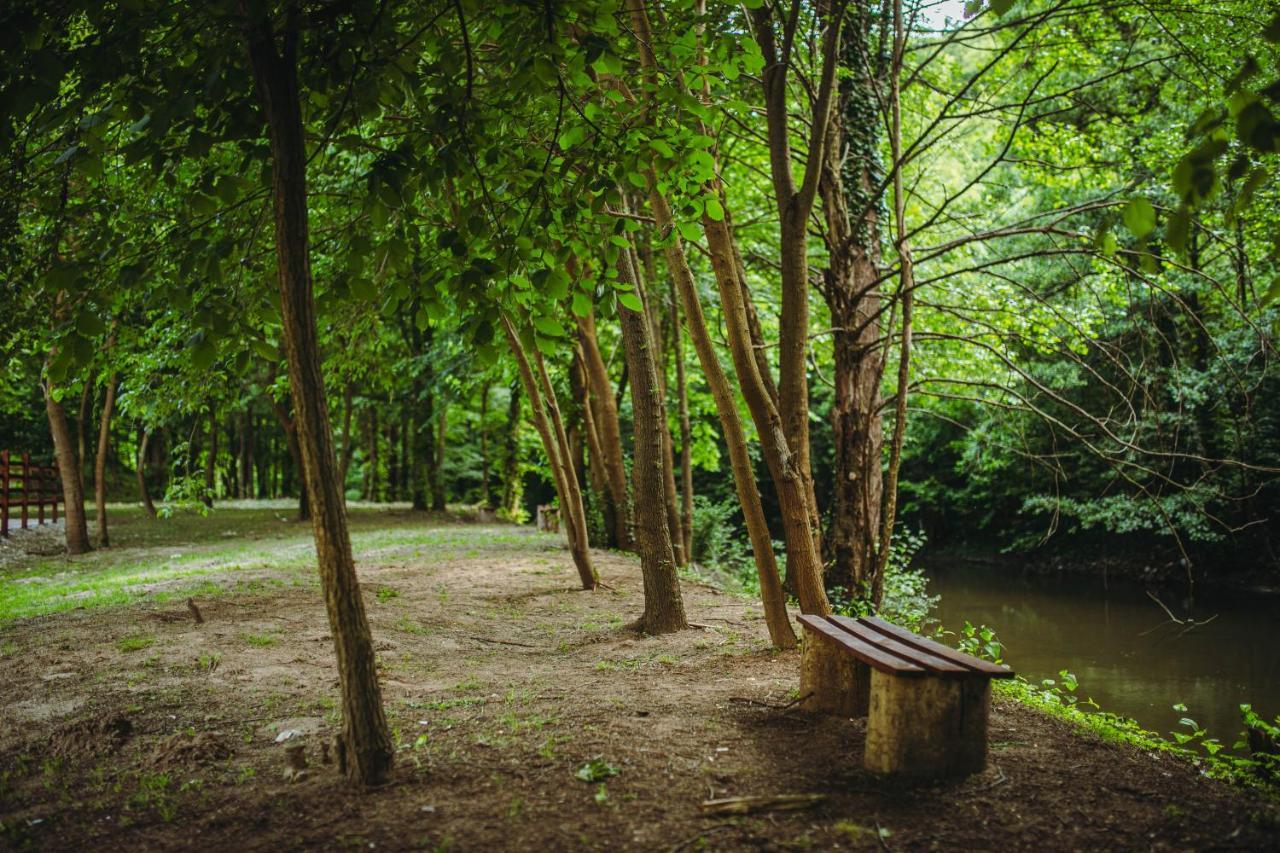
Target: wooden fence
{"type": "Point", "coordinates": [24, 486]}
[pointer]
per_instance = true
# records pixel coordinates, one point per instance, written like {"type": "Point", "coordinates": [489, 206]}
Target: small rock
{"type": "Point", "coordinates": [287, 734]}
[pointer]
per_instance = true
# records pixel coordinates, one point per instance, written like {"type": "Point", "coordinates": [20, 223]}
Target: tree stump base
{"type": "Point", "coordinates": [927, 727]}
{"type": "Point", "coordinates": [832, 682]}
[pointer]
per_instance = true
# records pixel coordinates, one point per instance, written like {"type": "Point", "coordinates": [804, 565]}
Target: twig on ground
{"type": "Point", "coordinates": [774, 706]}
{"type": "Point", "coordinates": [502, 642]}
{"type": "Point", "coordinates": [768, 802]}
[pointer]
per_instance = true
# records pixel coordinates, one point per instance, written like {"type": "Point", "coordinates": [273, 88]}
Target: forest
{"type": "Point", "coordinates": [465, 422]}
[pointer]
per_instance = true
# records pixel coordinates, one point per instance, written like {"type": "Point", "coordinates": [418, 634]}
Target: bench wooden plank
{"type": "Point", "coordinates": [933, 663]}
{"type": "Point", "coordinates": [867, 653]}
{"type": "Point", "coordinates": [917, 642]}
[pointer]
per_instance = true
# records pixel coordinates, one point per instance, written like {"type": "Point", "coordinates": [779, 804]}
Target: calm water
{"type": "Point", "coordinates": [1114, 642]}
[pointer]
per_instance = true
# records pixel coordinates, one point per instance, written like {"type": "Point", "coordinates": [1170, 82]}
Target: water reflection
{"type": "Point", "coordinates": [1122, 647]}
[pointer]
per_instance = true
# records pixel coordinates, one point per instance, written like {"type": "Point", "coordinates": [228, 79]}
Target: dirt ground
{"type": "Point", "coordinates": [131, 727]}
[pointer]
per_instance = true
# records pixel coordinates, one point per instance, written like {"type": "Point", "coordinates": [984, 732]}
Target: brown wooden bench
{"type": "Point", "coordinates": [926, 704]}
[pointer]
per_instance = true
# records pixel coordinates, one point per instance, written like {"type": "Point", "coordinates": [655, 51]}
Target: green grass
{"type": "Point", "coordinates": [235, 549]}
{"type": "Point", "coordinates": [135, 643]}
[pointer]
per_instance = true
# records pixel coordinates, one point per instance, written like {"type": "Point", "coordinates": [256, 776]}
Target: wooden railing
{"type": "Point", "coordinates": [24, 486]}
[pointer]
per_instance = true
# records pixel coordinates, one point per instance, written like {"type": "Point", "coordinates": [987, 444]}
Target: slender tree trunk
{"type": "Point", "coordinates": [82, 426]}
{"type": "Point", "coordinates": [663, 604]}
{"type": "Point", "coordinates": [366, 753]}
{"type": "Point", "coordinates": [486, 501]}
{"type": "Point", "coordinates": [347, 445]}
{"type": "Point", "coordinates": [775, 604]}
{"type": "Point", "coordinates": [144, 438]}
{"type": "Point", "coordinates": [233, 461]}
{"type": "Point", "coordinates": [438, 503]}
{"type": "Point", "coordinates": [686, 445]}
{"type": "Point", "coordinates": [511, 459]}
{"type": "Point", "coordinates": [100, 463]}
{"type": "Point", "coordinates": [605, 415]}
{"type": "Point", "coordinates": [405, 466]}
{"type": "Point", "coordinates": [906, 290]}
{"type": "Point", "coordinates": [75, 524]}
{"type": "Point", "coordinates": [643, 275]}
{"type": "Point", "coordinates": [211, 461]}
{"type": "Point", "coordinates": [372, 425]}
{"type": "Point", "coordinates": [246, 469]}
{"type": "Point", "coordinates": [555, 445]}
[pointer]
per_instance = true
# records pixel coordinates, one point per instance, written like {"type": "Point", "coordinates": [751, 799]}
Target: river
{"type": "Point", "coordinates": [1123, 649]}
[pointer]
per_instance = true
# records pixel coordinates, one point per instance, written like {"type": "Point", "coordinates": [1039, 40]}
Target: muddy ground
{"type": "Point", "coordinates": [131, 727]}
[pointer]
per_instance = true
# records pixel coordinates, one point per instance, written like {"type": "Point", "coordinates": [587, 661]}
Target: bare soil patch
{"type": "Point", "coordinates": [529, 717]}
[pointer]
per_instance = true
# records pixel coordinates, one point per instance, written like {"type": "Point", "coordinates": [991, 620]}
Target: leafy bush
{"type": "Point", "coordinates": [718, 540]}
{"type": "Point", "coordinates": [906, 600]}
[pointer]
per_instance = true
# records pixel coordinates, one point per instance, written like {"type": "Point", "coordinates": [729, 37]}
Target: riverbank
{"type": "Point", "coordinates": [526, 714]}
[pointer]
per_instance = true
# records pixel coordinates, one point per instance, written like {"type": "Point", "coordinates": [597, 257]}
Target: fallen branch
{"type": "Point", "coordinates": [768, 802]}
{"type": "Point", "coordinates": [773, 706]}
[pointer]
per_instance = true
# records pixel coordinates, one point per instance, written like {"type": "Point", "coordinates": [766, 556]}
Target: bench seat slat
{"type": "Point", "coordinates": [924, 644]}
{"type": "Point", "coordinates": [928, 661]}
{"type": "Point", "coordinates": [869, 654]}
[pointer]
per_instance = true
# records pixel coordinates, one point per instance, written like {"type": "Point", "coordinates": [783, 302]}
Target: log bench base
{"type": "Point", "coordinates": [926, 705]}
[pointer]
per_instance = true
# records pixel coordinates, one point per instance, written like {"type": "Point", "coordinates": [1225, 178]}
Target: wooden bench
{"type": "Point", "coordinates": [926, 704]}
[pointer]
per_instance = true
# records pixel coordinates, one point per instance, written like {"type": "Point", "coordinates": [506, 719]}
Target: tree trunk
{"type": "Point", "coordinates": [438, 503]}
{"type": "Point", "coordinates": [744, 477]}
{"type": "Point", "coordinates": [82, 426]}
{"type": "Point", "coordinates": [511, 461]}
{"type": "Point", "coordinates": [486, 501]}
{"type": "Point", "coordinates": [211, 461]}
{"type": "Point", "coordinates": [100, 463]}
{"type": "Point", "coordinates": [605, 415]}
{"type": "Point", "coordinates": [555, 445]}
{"type": "Point", "coordinates": [75, 524]}
{"type": "Point", "coordinates": [850, 176]}
{"type": "Point", "coordinates": [246, 456]}
{"type": "Point", "coordinates": [348, 447]}
{"type": "Point", "coordinates": [371, 494]}
{"type": "Point", "coordinates": [366, 752]}
{"type": "Point", "coordinates": [686, 448]}
{"type": "Point", "coordinates": [663, 604]}
{"type": "Point", "coordinates": [144, 438]}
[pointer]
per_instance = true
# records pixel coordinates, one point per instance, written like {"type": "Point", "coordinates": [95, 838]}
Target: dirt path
{"type": "Point", "coordinates": [131, 727]}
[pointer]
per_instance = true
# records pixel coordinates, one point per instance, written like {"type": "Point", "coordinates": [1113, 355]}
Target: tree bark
{"type": "Point", "coordinates": [438, 503]}
{"type": "Point", "coordinates": [511, 461]}
{"type": "Point", "coordinates": [348, 446]}
{"type": "Point", "coordinates": [100, 463]}
{"type": "Point", "coordinates": [605, 416]}
{"type": "Point", "coordinates": [82, 426]}
{"type": "Point", "coordinates": [775, 604]}
{"type": "Point", "coordinates": [849, 178]}
{"type": "Point", "coordinates": [686, 448]}
{"type": "Point", "coordinates": [371, 493]}
{"type": "Point", "coordinates": [486, 500]}
{"type": "Point", "coordinates": [663, 604]}
{"type": "Point", "coordinates": [75, 524]}
{"type": "Point", "coordinates": [555, 445]}
{"type": "Point", "coordinates": [143, 439]}
{"type": "Point", "coordinates": [211, 461]}
{"type": "Point", "coordinates": [366, 752]}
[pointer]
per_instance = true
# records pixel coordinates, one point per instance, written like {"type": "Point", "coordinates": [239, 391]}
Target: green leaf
{"type": "Point", "coordinates": [1178, 231]}
{"type": "Point", "coordinates": [631, 301]}
{"type": "Point", "coordinates": [581, 304]}
{"type": "Point", "coordinates": [549, 326]}
{"type": "Point", "coordinates": [264, 348]}
{"type": "Point", "coordinates": [1139, 217]}
{"type": "Point", "coordinates": [89, 324]}
{"type": "Point", "coordinates": [1001, 6]}
{"type": "Point", "coordinates": [714, 211]}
